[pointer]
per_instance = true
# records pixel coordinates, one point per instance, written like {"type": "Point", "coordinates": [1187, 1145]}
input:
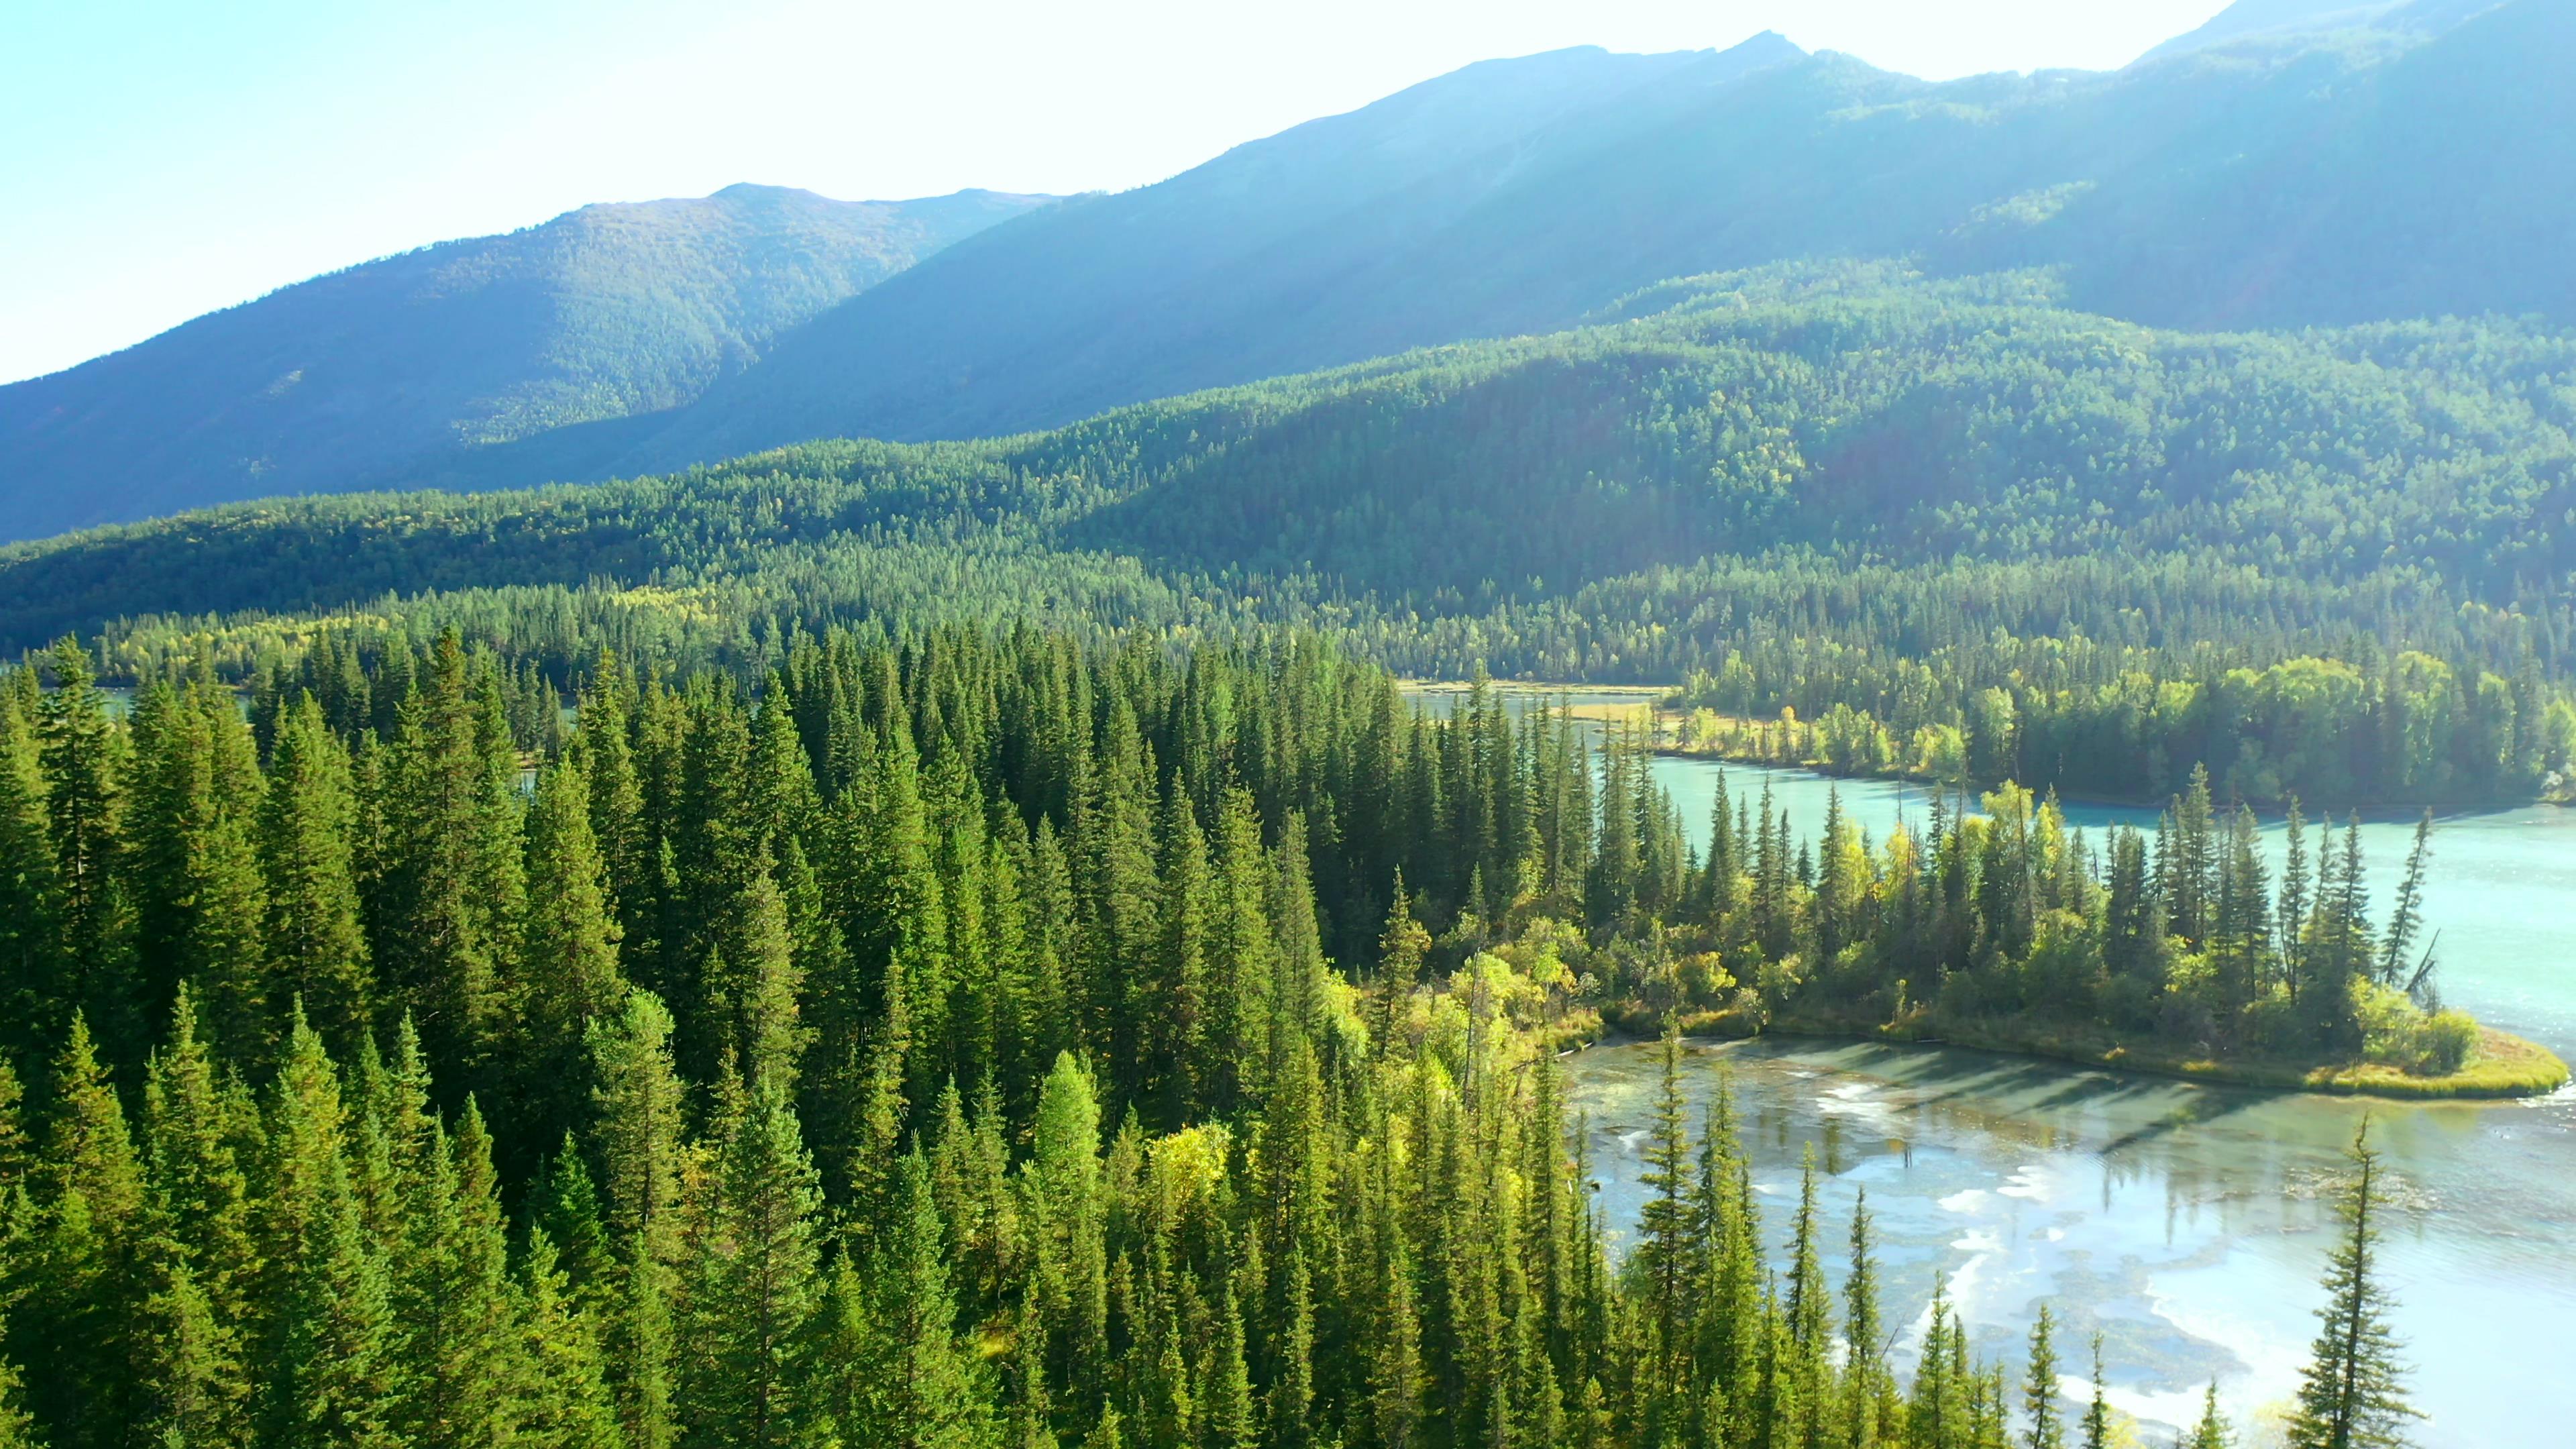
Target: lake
{"type": "Point", "coordinates": [2186, 1224]}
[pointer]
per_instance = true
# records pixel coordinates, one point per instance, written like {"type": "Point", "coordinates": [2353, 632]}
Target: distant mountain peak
{"type": "Point", "coordinates": [2274, 21]}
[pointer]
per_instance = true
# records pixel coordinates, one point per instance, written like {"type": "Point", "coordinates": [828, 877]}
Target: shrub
{"type": "Point", "coordinates": [2448, 1038]}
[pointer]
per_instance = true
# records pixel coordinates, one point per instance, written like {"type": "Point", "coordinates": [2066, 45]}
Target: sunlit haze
{"type": "Point", "coordinates": [167, 159]}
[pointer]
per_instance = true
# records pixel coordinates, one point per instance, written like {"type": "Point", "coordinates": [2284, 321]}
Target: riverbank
{"type": "Point", "coordinates": [2502, 1067]}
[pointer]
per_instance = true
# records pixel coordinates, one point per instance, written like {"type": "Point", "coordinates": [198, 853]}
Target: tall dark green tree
{"type": "Point", "coordinates": [2352, 1394]}
{"type": "Point", "coordinates": [317, 948]}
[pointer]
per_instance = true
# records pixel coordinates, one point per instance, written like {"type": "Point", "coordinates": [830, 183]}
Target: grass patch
{"type": "Point", "coordinates": [2501, 1067]}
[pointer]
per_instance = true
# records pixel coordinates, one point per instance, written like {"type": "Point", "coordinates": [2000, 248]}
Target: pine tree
{"type": "Point", "coordinates": [2212, 1431]}
{"type": "Point", "coordinates": [2097, 1415]}
{"type": "Point", "coordinates": [568, 973]}
{"type": "Point", "coordinates": [2039, 1394]}
{"type": "Point", "coordinates": [564, 1402]}
{"type": "Point", "coordinates": [911, 1384]}
{"type": "Point", "coordinates": [17, 1429]}
{"type": "Point", "coordinates": [326, 1369]}
{"type": "Point", "coordinates": [34, 996]}
{"type": "Point", "coordinates": [756, 1288]}
{"type": "Point", "coordinates": [87, 1292]}
{"type": "Point", "coordinates": [316, 947]}
{"type": "Point", "coordinates": [81, 760]}
{"type": "Point", "coordinates": [2353, 1392]}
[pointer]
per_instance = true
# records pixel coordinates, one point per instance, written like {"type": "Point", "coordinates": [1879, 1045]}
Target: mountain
{"type": "Point", "coordinates": [2288, 22]}
{"type": "Point", "coordinates": [1602, 502]}
{"type": "Point", "coordinates": [2427, 170]}
{"type": "Point", "coordinates": [395, 365]}
{"type": "Point", "coordinates": [2304, 165]}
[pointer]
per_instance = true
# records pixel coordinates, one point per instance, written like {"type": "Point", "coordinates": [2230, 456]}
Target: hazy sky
{"type": "Point", "coordinates": [158, 160]}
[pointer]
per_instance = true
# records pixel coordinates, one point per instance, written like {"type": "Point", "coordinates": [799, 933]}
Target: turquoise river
{"type": "Point", "coordinates": [2187, 1225]}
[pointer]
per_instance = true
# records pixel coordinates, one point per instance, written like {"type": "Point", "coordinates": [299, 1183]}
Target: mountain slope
{"type": "Point", "coordinates": [398, 364]}
{"type": "Point", "coordinates": [1851, 413]}
{"type": "Point", "coordinates": [2422, 172]}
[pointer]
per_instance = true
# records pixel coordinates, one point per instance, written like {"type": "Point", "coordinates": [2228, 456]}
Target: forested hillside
{"type": "Point", "coordinates": [2369, 165]}
{"type": "Point", "coordinates": [1821, 486]}
{"type": "Point", "coordinates": [402, 366]}
{"type": "Point", "coordinates": [2419, 165]}
{"type": "Point", "coordinates": [943, 1046]}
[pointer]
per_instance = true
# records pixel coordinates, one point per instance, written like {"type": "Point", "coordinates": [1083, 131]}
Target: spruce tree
{"type": "Point", "coordinates": [17, 1428]}
{"type": "Point", "coordinates": [637, 1099]}
{"type": "Point", "coordinates": [455, 1354]}
{"type": "Point", "coordinates": [1867, 1393]}
{"type": "Point", "coordinates": [2046, 1427]}
{"type": "Point", "coordinates": [1664, 1223]}
{"type": "Point", "coordinates": [755, 1290]}
{"type": "Point", "coordinates": [317, 949]}
{"type": "Point", "coordinates": [455, 872]}
{"type": "Point", "coordinates": [2212, 1431]}
{"type": "Point", "coordinates": [568, 972]}
{"type": "Point", "coordinates": [35, 996]}
{"type": "Point", "coordinates": [327, 1376]}
{"type": "Point", "coordinates": [2353, 1392]}
{"type": "Point", "coordinates": [199, 1259]}
{"type": "Point", "coordinates": [2097, 1415]}
{"type": "Point", "coordinates": [85, 1300]}
{"type": "Point", "coordinates": [912, 1384]}
{"type": "Point", "coordinates": [81, 757]}
{"type": "Point", "coordinates": [563, 1402]}
{"type": "Point", "coordinates": [1226, 1410]}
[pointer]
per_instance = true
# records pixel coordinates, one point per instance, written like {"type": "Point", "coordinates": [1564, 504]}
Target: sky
{"type": "Point", "coordinates": [160, 160]}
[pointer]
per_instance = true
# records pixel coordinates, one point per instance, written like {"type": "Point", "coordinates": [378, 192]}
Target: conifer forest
{"type": "Point", "coordinates": [1855, 736]}
{"type": "Point", "coordinates": [984, 1039]}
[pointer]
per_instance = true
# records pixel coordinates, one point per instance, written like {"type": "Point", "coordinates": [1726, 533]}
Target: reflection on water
{"type": "Point", "coordinates": [2499, 893]}
{"type": "Point", "coordinates": [2185, 1224]}
{"type": "Point", "coordinates": [2499, 896]}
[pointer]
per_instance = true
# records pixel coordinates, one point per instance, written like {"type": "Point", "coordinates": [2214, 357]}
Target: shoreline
{"type": "Point", "coordinates": [2505, 1068]}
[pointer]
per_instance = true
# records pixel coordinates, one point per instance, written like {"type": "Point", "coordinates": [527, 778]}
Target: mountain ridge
{"type": "Point", "coordinates": [372, 369]}
{"type": "Point", "coordinates": [2424, 166]}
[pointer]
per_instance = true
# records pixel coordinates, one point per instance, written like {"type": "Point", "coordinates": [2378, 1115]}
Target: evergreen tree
{"type": "Point", "coordinates": [755, 1288]}
{"type": "Point", "coordinates": [17, 1429]}
{"type": "Point", "coordinates": [2097, 1415]}
{"type": "Point", "coordinates": [328, 1376]}
{"type": "Point", "coordinates": [638, 1098]}
{"type": "Point", "coordinates": [317, 951]}
{"type": "Point", "coordinates": [909, 1383]}
{"type": "Point", "coordinates": [564, 1401]}
{"type": "Point", "coordinates": [2039, 1395]}
{"type": "Point", "coordinates": [568, 973]}
{"type": "Point", "coordinates": [1664, 1223]}
{"type": "Point", "coordinates": [2353, 1392]}
{"type": "Point", "coordinates": [2212, 1431]}
{"type": "Point", "coordinates": [34, 994]}
{"type": "Point", "coordinates": [198, 1259]}
{"type": "Point", "coordinates": [455, 870]}
{"type": "Point", "coordinates": [81, 760]}
{"type": "Point", "coordinates": [456, 1351]}
{"type": "Point", "coordinates": [86, 1297]}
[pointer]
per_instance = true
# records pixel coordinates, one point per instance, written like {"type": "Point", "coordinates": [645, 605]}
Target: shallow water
{"type": "Point", "coordinates": [2500, 886]}
{"type": "Point", "coordinates": [2186, 1224]}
